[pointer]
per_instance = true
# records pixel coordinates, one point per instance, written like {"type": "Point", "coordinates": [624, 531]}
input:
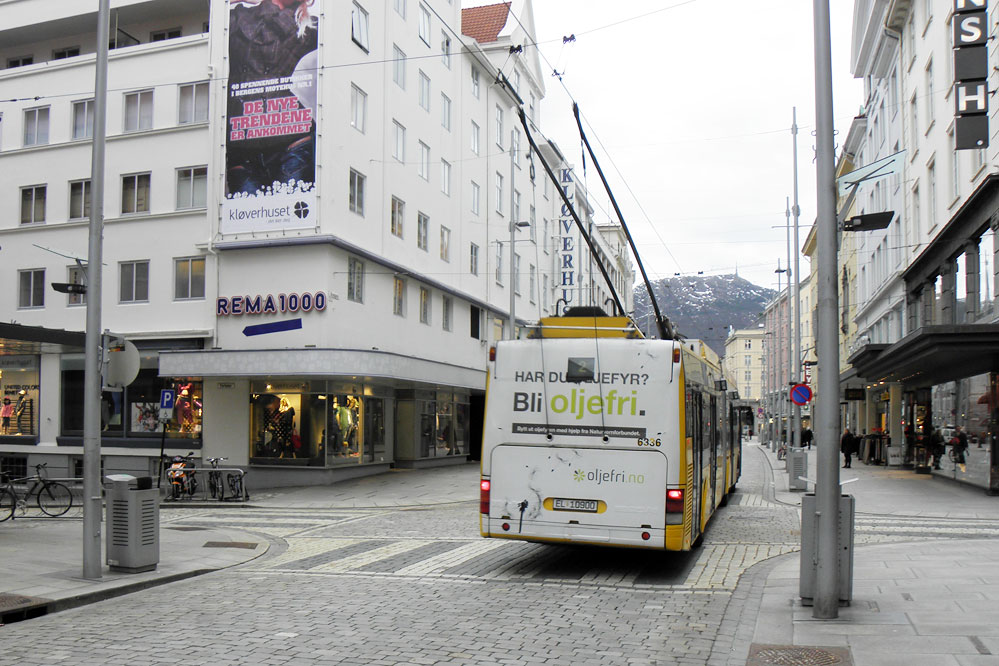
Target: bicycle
{"type": "Point", "coordinates": [236, 486]}
{"type": "Point", "coordinates": [215, 485]}
{"type": "Point", "coordinates": [53, 498]}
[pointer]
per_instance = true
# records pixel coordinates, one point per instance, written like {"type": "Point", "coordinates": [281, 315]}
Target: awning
{"type": "Point", "coordinates": [932, 355]}
{"type": "Point", "coordinates": [32, 340]}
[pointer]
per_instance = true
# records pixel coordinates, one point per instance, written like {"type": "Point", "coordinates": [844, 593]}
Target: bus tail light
{"type": "Point", "coordinates": [674, 501]}
{"type": "Point", "coordinates": [492, 353]}
{"type": "Point", "coordinates": [676, 354]}
{"type": "Point", "coordinates": [484, 496]}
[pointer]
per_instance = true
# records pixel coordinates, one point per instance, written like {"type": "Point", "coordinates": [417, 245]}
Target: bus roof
{"type": "Point", "coordinates": [585, 327]}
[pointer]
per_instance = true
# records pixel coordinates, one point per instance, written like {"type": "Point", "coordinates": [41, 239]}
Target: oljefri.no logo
{"type": "Point", "coordinates": [601, 476]}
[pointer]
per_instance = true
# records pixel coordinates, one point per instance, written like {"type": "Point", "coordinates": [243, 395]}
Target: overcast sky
{"type": "Point", "coordinates": [689, 109]}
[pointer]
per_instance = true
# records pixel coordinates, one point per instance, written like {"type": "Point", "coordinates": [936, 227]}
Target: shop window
{"type": "Point", "coordinates": [16, 466]}
{"type": "Point", "coordinates": [443, 427]}
{"type": "Point", "coordinates": [143, 399]}
{"type": "Point", "coordinates": [19, 388]}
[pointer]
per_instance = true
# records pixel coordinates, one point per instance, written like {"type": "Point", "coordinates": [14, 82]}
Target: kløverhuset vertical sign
{"type": "Point", "coordinates": [270, 160]}
{"type": "Point", "coordinates": [971, 73]}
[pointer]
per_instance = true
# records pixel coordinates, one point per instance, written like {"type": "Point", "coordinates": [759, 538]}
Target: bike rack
{"type": "Point", "coordinates": [203, 481]}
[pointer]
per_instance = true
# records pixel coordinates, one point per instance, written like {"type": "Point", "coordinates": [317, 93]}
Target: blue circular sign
{"type": "Point", "coordinates": [801, 394]}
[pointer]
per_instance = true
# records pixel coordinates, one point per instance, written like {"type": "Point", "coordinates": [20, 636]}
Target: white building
{"type": "Point", "coordinates": [337, 332]}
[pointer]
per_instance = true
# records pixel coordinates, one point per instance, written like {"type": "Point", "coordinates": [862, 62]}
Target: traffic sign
{"type": "Point", "coordinates": [167, 397]}
{"type": "Point", "coordinates": [801, 394]}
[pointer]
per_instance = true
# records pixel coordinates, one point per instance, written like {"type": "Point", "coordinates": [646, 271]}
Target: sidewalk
{"type": "Point", "coordinates": [930, 602]}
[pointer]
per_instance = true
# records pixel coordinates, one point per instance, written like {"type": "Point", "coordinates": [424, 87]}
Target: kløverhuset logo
{"type": "Point", "coordinates": [302, 210]}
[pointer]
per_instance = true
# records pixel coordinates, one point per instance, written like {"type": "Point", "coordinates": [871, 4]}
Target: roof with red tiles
{"type": "Point", "coordinates": [483, 24]}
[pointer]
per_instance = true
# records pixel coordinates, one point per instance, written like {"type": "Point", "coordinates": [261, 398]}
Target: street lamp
{"type": "Point", "coordinates": [779, 376]}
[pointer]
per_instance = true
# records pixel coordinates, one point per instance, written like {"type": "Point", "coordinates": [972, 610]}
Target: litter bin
{"type": "Point", "coordinates": [133, 523]}
{"type": "Point", "coordinates": [797, 469]}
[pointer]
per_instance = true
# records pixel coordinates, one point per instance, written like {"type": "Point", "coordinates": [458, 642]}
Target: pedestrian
{"type": "Point", "coordinates": [960, 443]}
{"type": "Point", "coordinates": [937, 446]}
{"type": "Point", "coordinates": [806, 438]}
{"type": "Point", "coordinates": [848, 446]}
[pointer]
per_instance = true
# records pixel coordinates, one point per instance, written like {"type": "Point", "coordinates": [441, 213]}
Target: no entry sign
{"type": "Point", "coordinates": [801, 394]}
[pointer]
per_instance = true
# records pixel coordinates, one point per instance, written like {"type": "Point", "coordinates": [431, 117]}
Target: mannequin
{"type": "Point", "coordinates": [285, 426]}
{"type": "Point", "coordinates": [6, 411]}
{"type": "Point", "coordinates": [22, 402]}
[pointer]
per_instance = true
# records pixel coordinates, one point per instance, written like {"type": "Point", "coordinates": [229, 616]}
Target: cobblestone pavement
{"type": "Point", "coordinates": [419, 586]}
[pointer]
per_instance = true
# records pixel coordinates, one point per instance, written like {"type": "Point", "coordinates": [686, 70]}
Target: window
{"type": "Point", "coordinates": [189, 278]}
{"type": "Point", "coordinates": [929, 94]}
{"type": "Point", "coordinates": [76, 275]}
{"type": "Point", "coordinates": [161, 35]}
{"type": "Point", "coordinates": [36, 126]}
{"type": "Point", "coordinates": [424, 91]}
{"type": "Point", "coordinates": [399, 297]}
{"type": "Point", "coordinates": [545, 237]}
{"type": "Point", "coordinates": [475, 138]}
{"type": "Point", "coordinates": [422, 231]}
{"type": "Point", "coordinates": [138, 111]}
{"type": "Point", "coordinates": [747, 360]}
{"type": "Point", "coordinates": [931, 181]}
{"type": "Point", "coordinates": [914, 115]}
{"type": "Point", "coordinates": [424, 305]}
{"type": "Point", "coordinates": [516, 207]}
{"type": "Point", "coordinates": [515, 147]}
{"type": "Point", "coordinates": [516, 273]}
{"type": "Point", "coordinates": [356, 197]}
{"type": "Point", "coordinates": [445, 112]}
{"type": "Point", "coordinates": [425, 25]}
{"type": "Point", "coordinates": [530, 108]}
{"type": "Point", "coordinates": [65, 52]}
{"type": "Point", "coordinates": [399, 66]}
{"type": "Point", "coordinates": [499, 263]}
{"type": "Point", "coordinates": [747, 344]}
{"type": "Point", "coordinates": [358, 108]}
{"type": "Point", "coordinates": [135, 193]}
{"type": "Point", "coordinates": [359, 26]}
{"type": "Point", "coordinates": [499, 193]}
{"type": "Point", "coordinates": [532, 285]}
{"type": "Point", "coordinates": [398, 209]}
{"type": "Point", "coordinates": [31, 288]}
{"type": "Point", "coordinates": [446, 307]}
{"type": "Point", "coordinates": [423, 167]}
{"type": "Point", "coordinates": [83, 119]}
{"type": "Point", "coordinates": [955, 167]}
{"type": "Point", "coordinates": [446, 177]}
{"type": "Point", "coordinates": [79, 199]}
{"type": "Point", "coordinates": [399, 147]}
{"type": "Point", "coordinates": [475, 83]}
{"type": "Point", "coordinates": [475, 197]}
{"type": "Point", "coordinates": [544, 292]}
{"type": "Point", "coordinates": [192, 184]}
{"type": "Point", "coordinates": [748, 376]}
{"type": "Point", "coordinates": [193, 103]}
{"type": "Point", "coordinates": [473, 259]}
{"type": "Point", "coordinates": [400, 7]}
{"type": "Point", "coordinates": [445, 244]}
{"type": "Point", "coordinates": [499, 126]}
{"type": "Point", "coordinates": [534, 224]}
{"type": "Point", "coordinates": [446, 49]}
{"type": "Point", "coordinates": [21, 61]}
{"type": "Point", "coordinates": [474, 321]}
{"type": "Point", "coordinates": [355, 280]}
{"type": "Point", "coordinates": [134, 282]}
{"type": "Point", "coordinates": [33, 204]}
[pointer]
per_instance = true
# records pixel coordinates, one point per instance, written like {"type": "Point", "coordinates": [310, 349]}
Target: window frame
{"type": "Point", "coordinates": [473, 259]}
{"type": "Point", "coordinates": [423, 29]}
{"type": "Point", "coordinates": [445, 177]}
{"type": "Point", "coordinates": [423, 231]}
{"type": "Point", "coordinates": [445, 48]}
{"type": "Point", "coordinates": [399, 144]}
{"type": "Point", "coordinates": [149, 187]}
{"type": "Point", "coordinates": [399, 66]}
{"type": "Point", "coordinates": [447, 311]}
{"type": "Point", "coordinates": [358, 108]}
{"type": "Point", "coordinates": [360, 23]}
{"type": "Point", "coordinates": [192, 204]}
{"type": "Point", "coordinates": [195, 118]}
{"type": "Point", "coordinates": [76, 275]}
{"type": "Point", "coordinates": [355, 280]}
{"type": "Point", "coordinates": [85, 190]}
{"type": "Point", "coordinates": [397, 216]}
{"type": "Point", "coordinates": [399, 296]}
{"type": "Point", "coordinates": [37, 111]}
{"type": "Point", "coordinates": [134, 264]}
{"type": "Point", "coordinates": [423, 164]}
{"type": "Point", "coordinates": [190, 278]}
{"type": "Point", "coordinates": [445, 244]}
{"type": "Point", "coordinates": [475, 138]}
{"type": "Point", "coordinates": [33, 206]}
{"type": "Point", "coordinates": [36, 288]}
{"type": "Point", "coordinates": [499, 126]}
{"type": "Point", "coordinates": [138, 95]}
{"type": "Point", "coordinates": [445, 112]}
{"type": "Point", "coordinates": [424, 91]}
{"type": "Point", "coordinates": [88, 121]}
{"type": "Point", "coordinates": [426, 305]}
{"type": "Point", "coordinates": [355, 191]}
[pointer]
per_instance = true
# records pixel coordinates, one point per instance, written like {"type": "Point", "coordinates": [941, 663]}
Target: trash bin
{"type": "Point", "coordinates": [133, 523]}
{"type": "Point", "coordinates": [797, 469]}
{"type": "Point", "coordinates": [810, 547]}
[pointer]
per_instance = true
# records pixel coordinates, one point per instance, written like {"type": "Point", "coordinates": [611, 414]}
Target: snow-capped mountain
{"type": "Point", "coordinates": [704, 306]}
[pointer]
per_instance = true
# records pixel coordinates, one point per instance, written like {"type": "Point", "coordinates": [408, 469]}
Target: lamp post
{"type": "Point", "coordinates": [779, 376]}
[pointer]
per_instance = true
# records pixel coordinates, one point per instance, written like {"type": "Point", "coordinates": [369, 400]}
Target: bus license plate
{"type": "Point", "coordinates": [563, 504]}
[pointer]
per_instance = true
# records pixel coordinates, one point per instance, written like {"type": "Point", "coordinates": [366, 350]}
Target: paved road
{"type": "Point", "coordinates": [359, 584]}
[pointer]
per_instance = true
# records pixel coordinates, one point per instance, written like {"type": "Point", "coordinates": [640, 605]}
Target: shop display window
{"type": "Point", "coordinates": [443, 424]}
{"type": "Point", "coordinates": [19, 396]}
{"type": "Point", "coordinates": [303, 424]}
{"type": "Point", "coordinates": [143, 399]}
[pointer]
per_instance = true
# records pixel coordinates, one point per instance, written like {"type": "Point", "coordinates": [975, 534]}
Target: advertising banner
{"type": "Point", "coordinates": [270, 160]}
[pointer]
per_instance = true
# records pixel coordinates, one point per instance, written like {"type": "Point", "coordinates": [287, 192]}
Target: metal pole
{"type": "Point", "coordinates": [778, 375]}
{"type": "Point", "coordinates": [826, 417]}
{"type": "Point", "coordinates": [513, 240]}
{"type": "Point", "coordinates": [92, 362]}
{"type": "Point", "coordinates": [791, 441]}
{"type": "Point", "coordinates": [798, 377]}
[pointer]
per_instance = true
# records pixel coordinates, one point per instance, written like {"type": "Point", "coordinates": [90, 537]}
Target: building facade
{"type": "Point", "coordinates": [313, 247]}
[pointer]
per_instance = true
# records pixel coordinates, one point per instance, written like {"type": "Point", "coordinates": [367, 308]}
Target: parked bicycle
{"type": "Point", "coordinates": [236, 486]}
{"type": "Point", "coordinates": [52, 497]}
{"type": "Point", "coordinates": [215, 484]}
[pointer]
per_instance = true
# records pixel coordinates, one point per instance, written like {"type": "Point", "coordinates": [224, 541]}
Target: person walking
{"type": "Point", "coordinates": [848, 446]}
{"type": "Point", "coordinates": [806, 438]}
{"type": "Point", "coordinates": [937, 447]}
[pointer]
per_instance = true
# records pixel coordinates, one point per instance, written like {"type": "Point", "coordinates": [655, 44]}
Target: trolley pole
{"type": "Point", "coordinates": [94, 339]}
{"type": "Point", "coordinates": [826, 413]}
{"type": "Point", "coordinates": [798, 377]}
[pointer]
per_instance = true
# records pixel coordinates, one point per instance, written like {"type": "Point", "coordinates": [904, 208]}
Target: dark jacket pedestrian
{"type": "Point", "coordinates": [806, 438]}
{"type": "Point", "coordinates": [936, 447]}
{"type": "Point", "coordinates": [848, 446]}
